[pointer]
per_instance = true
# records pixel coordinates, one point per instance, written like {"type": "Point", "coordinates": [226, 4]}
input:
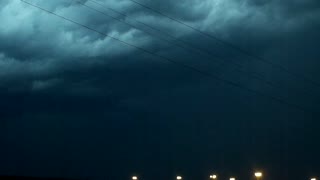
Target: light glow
{"type": "Point", "coordinates": [258, 174]}
{"type": "Point", "coordinates": [213, 176]}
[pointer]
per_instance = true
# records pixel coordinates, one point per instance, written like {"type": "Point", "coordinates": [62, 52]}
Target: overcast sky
{"type": "Point", "coordinates": [75, 103]}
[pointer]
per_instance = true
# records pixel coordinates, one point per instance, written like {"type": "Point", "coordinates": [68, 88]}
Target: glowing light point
{"type": "Point", "coordinates": [213, 176]}
{"type": "Point", "coordinates": [258, 174]}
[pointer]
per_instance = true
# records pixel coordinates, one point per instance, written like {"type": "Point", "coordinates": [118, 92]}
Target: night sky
{"type": "Point", "coordinates": [77, 104]}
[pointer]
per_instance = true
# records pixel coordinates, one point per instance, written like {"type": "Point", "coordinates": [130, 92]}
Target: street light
{"type": "Point", "coordinates": [232, 178]}
{"type": "Point", "coordinates": [258, 175]}
{"type": "Point", "coordinates": [213, 176]}
{"type": "Point", "coordinates": [134, 178]}
{"type": "Point", "coordinates": [179, 177]}
{"type": "Point", "coordinates": [313, 178]}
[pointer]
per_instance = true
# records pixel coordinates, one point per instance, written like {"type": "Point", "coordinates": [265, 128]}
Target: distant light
{"type": "Point", "coordinates": [313, 178]}
{"type": "Point", "coordinates": [232, 178]}
{"type": "Point", "coordinates": [179, 177]}
{"type": "Point", "coordinates": [213, 176]}
{"type": "Point", "coordinates": [258, 174]}
{"type": "Point", "coordinates": [134, 177]}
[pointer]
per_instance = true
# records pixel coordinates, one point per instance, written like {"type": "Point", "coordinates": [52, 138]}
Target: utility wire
{"type": "Point", "coordinates": [163, 32]}
{"type": "Point", "coordinates": [135, 27]}
{"type": "Point", "coordinates": [299, 76]}
{"type": "Point", "coordinates": [187, 49]}
{"type": "Point", "coordinates": [279, 100]}
{"type": "Point", "coordinates": [256, 75]}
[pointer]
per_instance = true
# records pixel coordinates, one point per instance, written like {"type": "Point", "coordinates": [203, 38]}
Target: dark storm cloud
{"type": "Point", "coordinates": [44, 37]}
{"type": "Point", "coordinates": [34, 43]}
{"type": "Point", "coordinates": [96, 103]}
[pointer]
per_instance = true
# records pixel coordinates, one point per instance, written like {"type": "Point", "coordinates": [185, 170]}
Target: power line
{"type": "Point", "coordinates": [146, 32]}
{"type": "Point", "coordinates": [175, 62]}
{"type": "Point", "coordinates": [163, 32]}
{"type": "Point", "coordinates": [229, 44]}
{"type": "Point", "coordinates": [135, 27]}
{"type": "Point", "coordinates": [117, 39]}
{"type": "Point", "coordinates": [221, 60]}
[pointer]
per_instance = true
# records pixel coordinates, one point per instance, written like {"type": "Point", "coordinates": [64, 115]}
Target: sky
{"type": "Point", "coordinates": [138, 93]}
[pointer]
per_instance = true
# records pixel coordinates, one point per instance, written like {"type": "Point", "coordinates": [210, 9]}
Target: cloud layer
{"type": "Point", "coordinates": [29, 35]}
